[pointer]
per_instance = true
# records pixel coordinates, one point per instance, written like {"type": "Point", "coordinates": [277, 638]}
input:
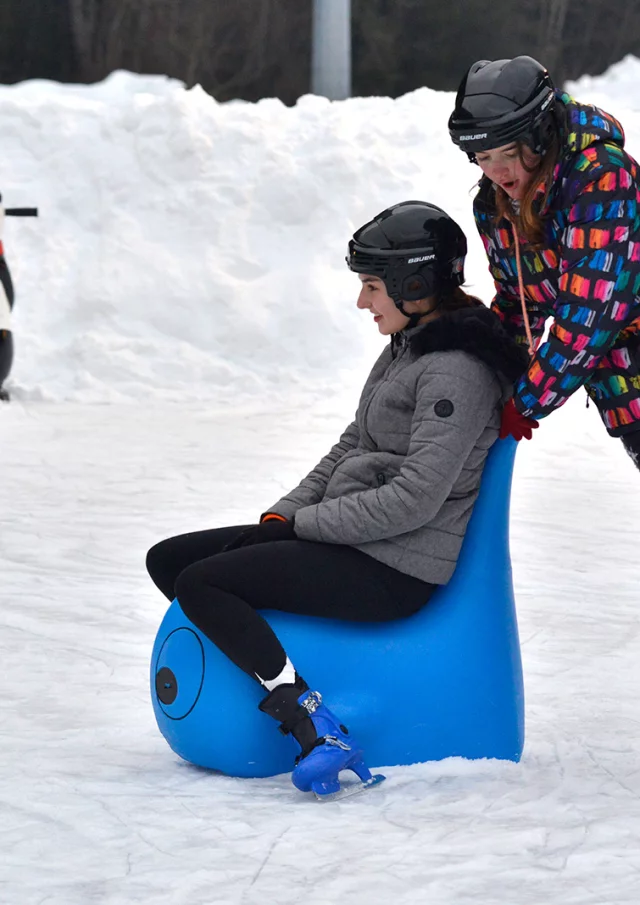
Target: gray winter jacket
{"type": "Point", "coordinates": [401, 482]}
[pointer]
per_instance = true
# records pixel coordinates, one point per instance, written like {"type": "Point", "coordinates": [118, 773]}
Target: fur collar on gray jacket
{"type": "Point", "coordinates": [475, 330]}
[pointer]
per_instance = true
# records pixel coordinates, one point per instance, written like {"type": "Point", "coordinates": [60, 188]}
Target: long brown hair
{"type": "Point", "coordinates": [458, 298]}
{"type": "Point", "coordinates": [452, 298]}
{"type": "Point", "coordinates": [528, 220]}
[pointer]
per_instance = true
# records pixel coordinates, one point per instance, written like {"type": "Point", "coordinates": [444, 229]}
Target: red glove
{"type": "Point", "coordinates": [514, 424]}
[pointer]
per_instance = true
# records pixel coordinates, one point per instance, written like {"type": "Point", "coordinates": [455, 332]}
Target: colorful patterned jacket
{"type": "Point", "coordinates": [586, 276]}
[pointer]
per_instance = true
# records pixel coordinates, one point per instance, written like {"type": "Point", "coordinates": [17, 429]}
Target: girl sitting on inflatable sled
{"type": "Point", "coordinates": [378, 524]}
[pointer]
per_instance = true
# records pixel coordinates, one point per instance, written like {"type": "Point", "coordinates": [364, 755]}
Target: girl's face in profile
{"type": "Point", "coordinates": [509, 168]}
{"type": "Point", "coordinates": [373, 297]}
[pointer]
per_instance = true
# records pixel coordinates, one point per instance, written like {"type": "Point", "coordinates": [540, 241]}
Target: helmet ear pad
{"type": "Point", "coordinates": [419, 286]}
{"type": "Point", "coordinates": [411, 286]}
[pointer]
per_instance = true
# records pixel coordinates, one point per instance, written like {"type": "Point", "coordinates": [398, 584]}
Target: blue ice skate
{"type": "Point", "coordinates": [326, 746]}
{"type": "Point", "coordinates": [333, 750]}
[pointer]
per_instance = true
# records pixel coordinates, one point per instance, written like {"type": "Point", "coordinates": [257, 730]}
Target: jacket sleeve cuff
{"type": "Point", "coordinates": [306, 522]}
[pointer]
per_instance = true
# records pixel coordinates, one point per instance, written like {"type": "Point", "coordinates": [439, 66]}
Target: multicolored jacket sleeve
{"type": "Point", "coordinates": [598, 279]}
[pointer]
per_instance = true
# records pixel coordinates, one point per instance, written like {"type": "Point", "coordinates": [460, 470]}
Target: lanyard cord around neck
{"type": "Point", "coordinates": [525, 314]}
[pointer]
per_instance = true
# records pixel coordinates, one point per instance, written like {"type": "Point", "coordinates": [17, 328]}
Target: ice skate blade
{"type": "Point", "coordinates": [353, 788]}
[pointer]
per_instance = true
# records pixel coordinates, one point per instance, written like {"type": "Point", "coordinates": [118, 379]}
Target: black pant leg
{"type": "Point", "coordinates": [168, 558]}
{"type": "Point", "coordinates": [631, 443]}
{"type": "Point", "coordinates": [221, 595]}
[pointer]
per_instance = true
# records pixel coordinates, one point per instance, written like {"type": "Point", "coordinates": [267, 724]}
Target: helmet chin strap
{"type": "Point", "coordinates": [415, 317]}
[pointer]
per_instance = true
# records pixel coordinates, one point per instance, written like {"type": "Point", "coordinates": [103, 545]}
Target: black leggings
{"type": "Point", "coordinates": [220, 592]}
{"type": "Point", "coordinates": [631, 443]}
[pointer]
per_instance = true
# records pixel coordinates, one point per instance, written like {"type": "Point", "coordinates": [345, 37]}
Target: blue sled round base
{"type": "Point", "coordinates": [445, 682]}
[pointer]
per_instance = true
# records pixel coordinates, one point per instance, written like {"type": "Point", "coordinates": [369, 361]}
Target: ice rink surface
{"type": "Point", "coordinates": [97, 809]}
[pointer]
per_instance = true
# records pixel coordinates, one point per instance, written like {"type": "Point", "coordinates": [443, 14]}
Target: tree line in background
{"type": "Point", "coordinates": [262, 48]}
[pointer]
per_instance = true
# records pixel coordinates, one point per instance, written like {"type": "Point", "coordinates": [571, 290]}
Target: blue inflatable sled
{"type": "Point", "coordinates": [444, 682]}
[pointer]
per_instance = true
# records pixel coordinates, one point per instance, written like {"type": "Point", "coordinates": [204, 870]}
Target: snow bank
{"type": "Point", "coordinates": [193, 250]}
{"type": "Point", "coordinates": [619, 86]}
{"type": "Point", "coordinates": [187, 248]}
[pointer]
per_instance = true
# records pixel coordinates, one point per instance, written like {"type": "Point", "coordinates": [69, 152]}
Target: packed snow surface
{"type": "Point", "coordinates": [187, 268]}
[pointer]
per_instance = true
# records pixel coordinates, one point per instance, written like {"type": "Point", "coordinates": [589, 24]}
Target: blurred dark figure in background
{"type": "Point", "coordinates": [6, 306]}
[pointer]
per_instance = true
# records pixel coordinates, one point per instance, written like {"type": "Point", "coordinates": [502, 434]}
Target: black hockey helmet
{"type": "Point", "coordinates": [504, 101]}
{"type": "Point", "coordinates": [414, 247]}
